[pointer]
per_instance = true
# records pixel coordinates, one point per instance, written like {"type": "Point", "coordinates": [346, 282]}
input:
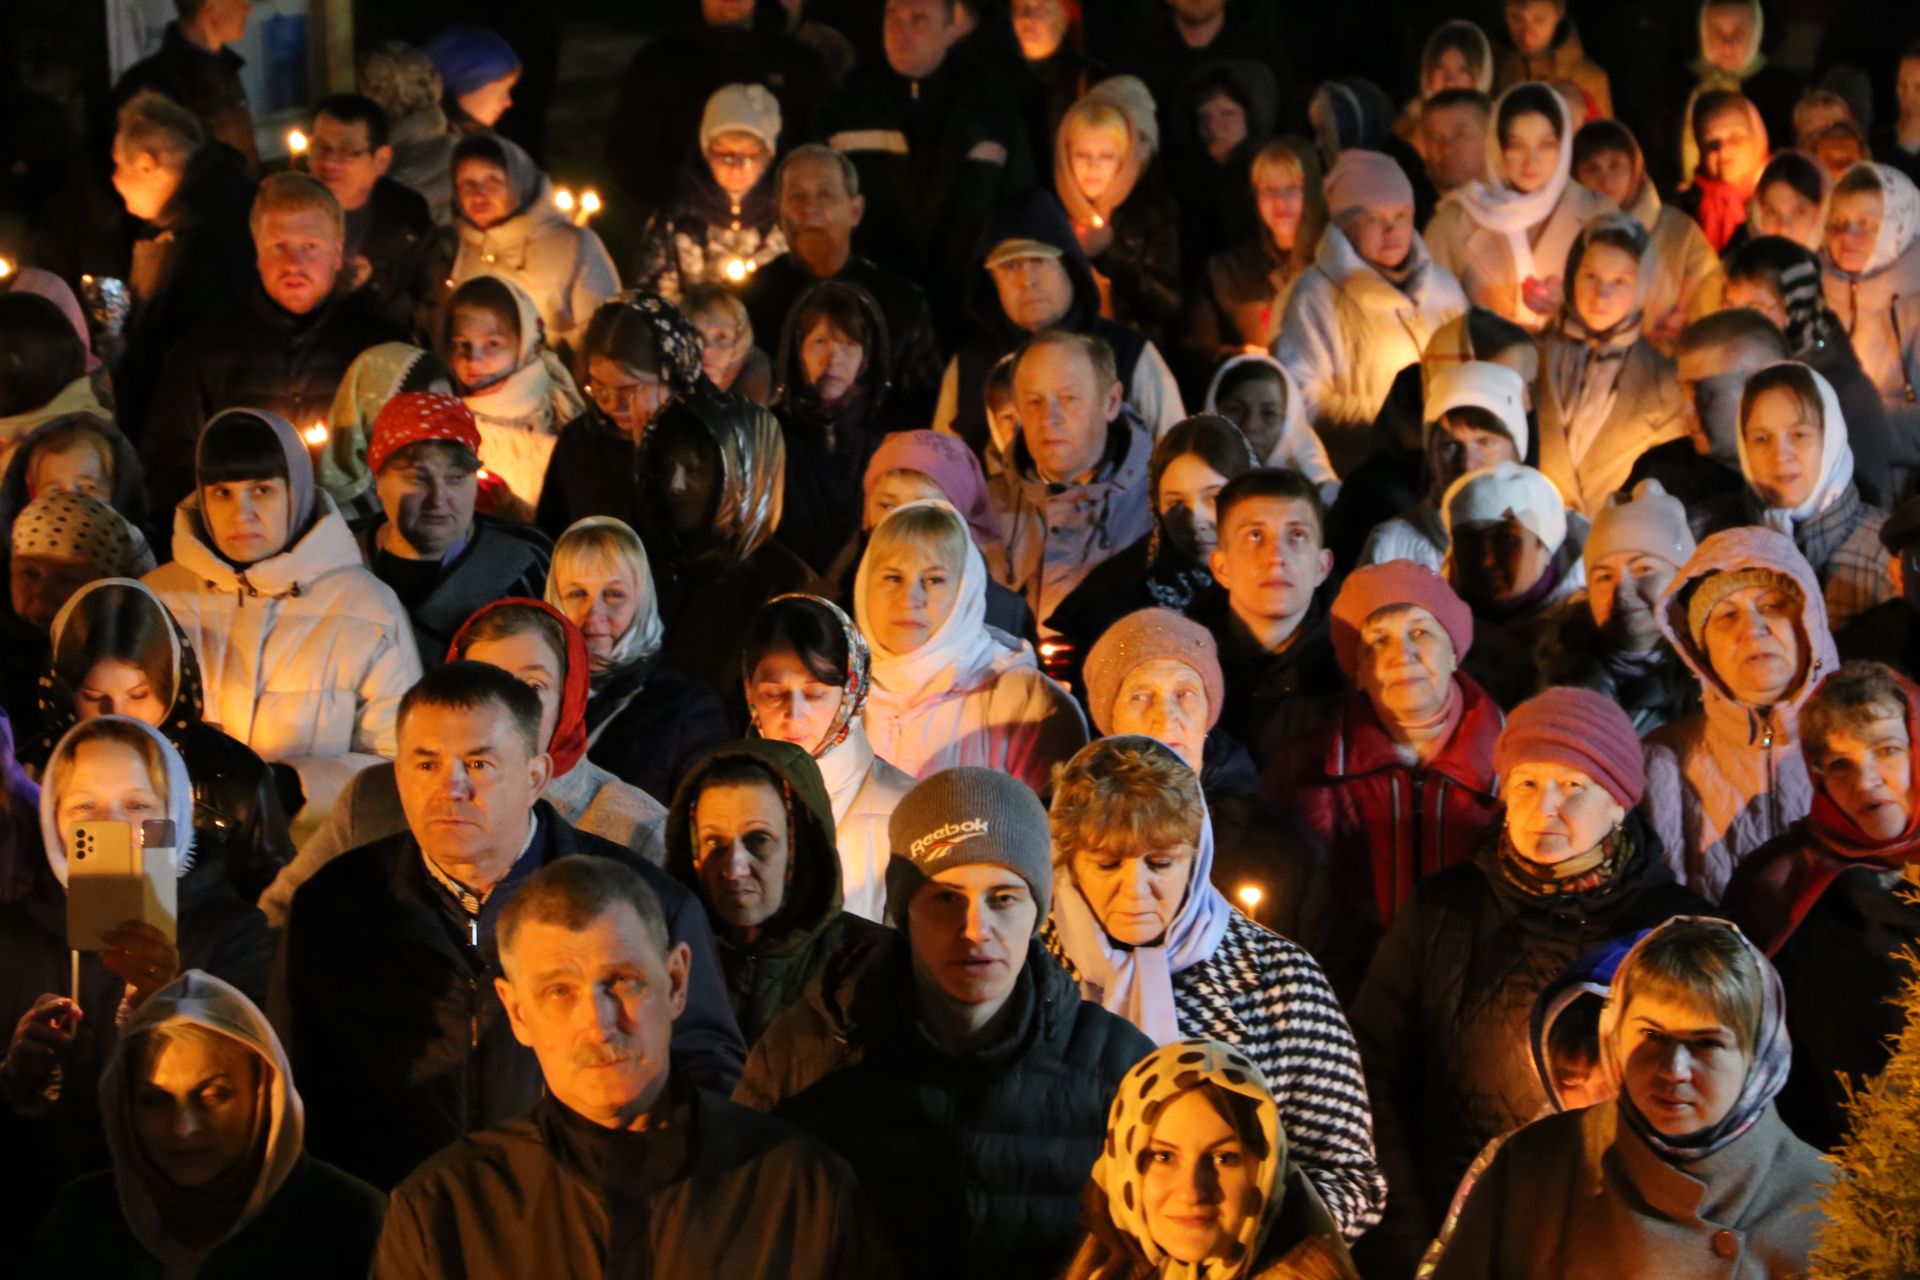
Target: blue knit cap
{"type": "Point", "coordinates": [468, 57]}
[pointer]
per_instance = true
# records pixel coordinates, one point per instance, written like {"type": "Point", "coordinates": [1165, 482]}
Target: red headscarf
{"type": "Point", "coordinates": [1777, 895]}
{"type": "Point", "coordinates": [569, 741]}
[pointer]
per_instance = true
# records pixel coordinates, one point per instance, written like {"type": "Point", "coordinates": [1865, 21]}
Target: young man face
{"type": "Point", "coordinates": [1270, 558]}
{"type": "Point", "coordinates": [969, 926]}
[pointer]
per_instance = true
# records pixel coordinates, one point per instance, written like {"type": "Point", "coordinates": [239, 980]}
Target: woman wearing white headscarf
{"type": "Point", "coordinates": [1507, 237]}
{"type": "Point", "coordinates": [1799, 472]}
{"type": "Point", "coordinates": [947, 688]}
{"type": "Point", "coordinates": [231, 1192]}
{"type": "Point", "coordinates": [1872, 274]}
{"type": "Point", "coordinates": [645, 723]}
{"type": "Point", "coordinates": [1138, 923]}
{"type": "Point", "coordinates": [808, 675]}
{"type": "Point", "coordinates": [1606, 395]}
{"type": "Point", "coordinates": [1198, 1181]}
{"type": "Point", "coordinates": [304, 653]}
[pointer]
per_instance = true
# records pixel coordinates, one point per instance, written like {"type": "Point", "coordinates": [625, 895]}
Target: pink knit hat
{"type": "Point", "coordinates": [1374, 587]}
{"type": "Point", "coordinates": [1578, 728]}
{"type": "Point", "coordinates": [1363, 181]}
{"type": "Point", "coordinates": [1143, 636]}
{"type": "Point", "coordinates": [948, 462]}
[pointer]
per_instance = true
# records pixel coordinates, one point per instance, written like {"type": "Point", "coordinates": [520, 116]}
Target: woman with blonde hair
{"type": "Point", "coordinates": [645, 724]}
{"type": "Point", "coordinates": [947, 688]}
{"type": "Point", "coordinates": [1236, 310]}
{"type": "Point", "coordinates": [1125, 219]}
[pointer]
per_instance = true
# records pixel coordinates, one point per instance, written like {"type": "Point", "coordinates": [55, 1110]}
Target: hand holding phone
{"type": "Point", "coordinates": [117, 874]}
{"type": "Point", "coordinates": [143, 956]}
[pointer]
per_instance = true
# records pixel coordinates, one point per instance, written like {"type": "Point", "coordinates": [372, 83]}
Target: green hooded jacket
{"type": "Point", "coordinates": [766, 976]}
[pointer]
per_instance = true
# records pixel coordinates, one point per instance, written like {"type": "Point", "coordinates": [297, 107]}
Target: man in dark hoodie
{"type": "Point", "coordinates": [400, 1044]}
{"type": "Point", "coordinates": [936, 141]}
{"type": "Point", "coordinates": [1186, 35]}
{"type": "Point", "coordinates": [1031, 276]}
{"type": "Point", "coordinates": [956, 1067]}
{"type": "Point", "coordinates": [751, 833]}
{"type": "Point", "coordinates": [193, 259]}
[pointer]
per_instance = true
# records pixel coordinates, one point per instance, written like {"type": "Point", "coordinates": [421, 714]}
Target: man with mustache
{"type": "Point", "coordinates": [1613, 645]}
{"type": "Point", "coordinates": [285, 348]}
{"type": "Point", "coordinates": [391, 949]}
{"type": "Point", "coordinates": [623, 1167]}
{"type": "Point", "coordinates": [1271, 625]}
{"type": "Point", "coordinates": [957, 1069]}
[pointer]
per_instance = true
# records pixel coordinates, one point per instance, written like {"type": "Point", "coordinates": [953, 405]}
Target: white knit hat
{"type": "Point", "coordinates": [1481, 384]}
{"type": "Point", "coordinates": [1486, 495]}
{"type": "Point", "coordinates": [742, 108]}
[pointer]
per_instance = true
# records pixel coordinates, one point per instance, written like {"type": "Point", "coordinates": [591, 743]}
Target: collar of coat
{"type": "Point", "coordinates": [1360, 745]}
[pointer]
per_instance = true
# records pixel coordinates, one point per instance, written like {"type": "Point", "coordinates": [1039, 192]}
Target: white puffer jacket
{"type": "Point", "coordinates": [864, 790]}
{"type": "Point", "coordinates": [305, 654]}
{"type": "Point", "coordinates": [1348, 331]}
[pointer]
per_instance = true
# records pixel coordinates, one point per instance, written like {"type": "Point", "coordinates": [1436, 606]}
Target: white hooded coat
{"type": "Point", "coordinates": [304, 654]}
{"type": "Point", "coordinates": [1298, 448]}
{"type": "Point", "coordinates": [1349, 331]}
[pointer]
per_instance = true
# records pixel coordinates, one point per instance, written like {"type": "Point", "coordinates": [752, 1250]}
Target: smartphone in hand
{"type": "Point", "coordinates": [118, 872]}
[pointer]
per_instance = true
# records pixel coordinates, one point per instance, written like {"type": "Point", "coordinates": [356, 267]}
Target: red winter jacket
{"type": "Point", "coordinates": [1389, 824]}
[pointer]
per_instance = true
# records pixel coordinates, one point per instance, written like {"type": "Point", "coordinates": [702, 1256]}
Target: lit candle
{"type": "Point", "coordinates": [563, 200]}
{"type": "Point", "coordinates": [316, 438]}
{"type": "Point", "coordinates": [736, 270]}
{"type": "Point", "coordinates": [1098, 222]}
{"type": "Point", "coordinates": [590, 202]}
{"type": "Point", "coordinates": [6, 268]}
{"type": "Point", "coordinates": [1249, 895]}
{"type": "Point", "coordinates": [296, 143]}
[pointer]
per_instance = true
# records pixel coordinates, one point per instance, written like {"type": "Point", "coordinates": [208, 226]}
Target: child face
{"type": "Point", "coordinates": [481, 347]}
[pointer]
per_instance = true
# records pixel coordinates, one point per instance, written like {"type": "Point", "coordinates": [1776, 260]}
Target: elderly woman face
{"type": "Point", "coordinates": [1853, 224]}
{"type": "Point", "coordinates": [896, 489]}
{"type": "Point", "coordinates": [1780, 210]}
{"type": "Point", "coordinates": [1134, 893]}
{"type": "Point", "coordinates": [601, 598]}
{"type": "Point", "coordinates": [1783, 447]}
{"type": "Point", "coordinates": [1383, 236]}
{"type": "Point", "coordinates": [1681, 1064]}
{"type": "Point", "coordinates": [196, 1105]}
{"type": "Point", "coordinates": [1406, 664]}
{"type": "Point", "coordinates": [1165, 699]}
{"type": "Point", "coordinates": [1606, 286]}
{"type": "Point", "coordinates": [40, 584]}
{"type": "Point", "coordinates": [741, 851]}
{"type": "Point", "coordinates": [1556, 812]}
{"type": "Point", "coordinates": [1867, 767]}
{"type": "Point", "coordinates": [910, 593]}
{"type": "Point", "coordinates": [1753, 643]}
{"type": "Point", "coordinates": [1623, 594]}
{"type": "Point", "coordinates": [1198, 1181]}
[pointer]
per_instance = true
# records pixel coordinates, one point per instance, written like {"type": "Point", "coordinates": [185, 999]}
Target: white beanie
{"type": "Point", "coordinates": [1481, 384]}
{"type": "Point", "coordinates": [742, 108]}
{"type": "Point", "coordinates": [1486, 495]}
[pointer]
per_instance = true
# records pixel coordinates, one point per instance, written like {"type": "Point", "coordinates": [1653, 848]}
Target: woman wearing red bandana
{"type": "Point", "coordinates": [1831, 900]}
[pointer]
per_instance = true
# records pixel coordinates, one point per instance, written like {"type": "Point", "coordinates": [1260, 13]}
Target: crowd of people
{"type": "Point", "coordinates": [798, 755]}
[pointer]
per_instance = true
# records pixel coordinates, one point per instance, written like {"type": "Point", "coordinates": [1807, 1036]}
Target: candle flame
{"type": "Point", "coordinates": [482, 475]}
{"type": "Point", "coordinates": [1098, 222]}
{"type": "Point", "coordinates": [1249, 895]}
{"type": "Point", "coordinates": [315, 434]}
{"type": "Point", "coordinates": [563, 200]}
{"type": "Point", "coordinates": [590, 201]}
{"type": "Point", "coordinates": [6, 268]}
{"type": "Point", "coordinates": [296, 142]}
{"type": "Point", "coordinates": [736, 270]}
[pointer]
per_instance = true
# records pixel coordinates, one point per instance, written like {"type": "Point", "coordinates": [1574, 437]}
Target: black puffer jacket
{"type": "Point", "coordinates": [828, 446]}
{"type": "Point", "coordinates": [400, 1043]}
{"type": "Point", "coordinates": [767, 976]}
{"type": "Point", "coordinates": [1143, 259]}
{"type": "Point", "coordinates": [258, 357]}
{"type": "Point", "coordinates": [1651, 692]}
{"type": "Point", "coordinates": [648, 725]}
{"type": "Point", "coordinates": [1442, 1017]}
{"type": "Point", "coordinates": [237, 817]}
{"type": "Point", "coordinates": [975, 1164]}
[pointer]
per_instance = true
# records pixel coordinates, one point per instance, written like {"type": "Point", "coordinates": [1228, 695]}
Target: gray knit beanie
{"type": "Point", "coordinates": [962, 815]}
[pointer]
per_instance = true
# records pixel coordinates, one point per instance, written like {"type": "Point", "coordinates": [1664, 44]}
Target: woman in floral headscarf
{"type": "Point", "coordinates": [1195, 1180]}
{"type": "Point", "coordinates": [806, 672]}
